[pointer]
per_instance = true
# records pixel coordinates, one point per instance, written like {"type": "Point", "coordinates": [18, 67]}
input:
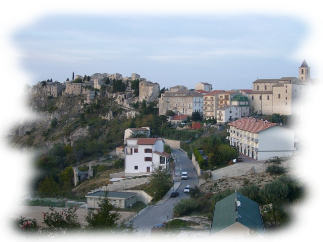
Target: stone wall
{"type": "Point", "coordinates": [196, 165]}
{"type": "Point", "coordinates": [176, 144]}
{"type": "Point", "coordinates": [148, 91]}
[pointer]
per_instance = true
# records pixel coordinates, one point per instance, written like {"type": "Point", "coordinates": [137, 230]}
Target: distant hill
{"type": "Point", "coordinates": [5, 101]}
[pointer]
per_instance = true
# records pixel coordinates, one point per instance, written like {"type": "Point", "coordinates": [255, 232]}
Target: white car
{"type": "Point", "coordinates": [187, 189]}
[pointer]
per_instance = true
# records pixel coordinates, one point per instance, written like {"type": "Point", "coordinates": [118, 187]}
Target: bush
{"type": "Point", "coordinates": [252, 192]}
{"type": "Point", "coordinates": [275, 170]}
{"type": "Point", "coordinates": [186, 207]}
{"type": "Point", "coordinates": [294, 164]}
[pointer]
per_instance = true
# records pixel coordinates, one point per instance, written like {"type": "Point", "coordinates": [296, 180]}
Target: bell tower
{"type": "Point", "coordinates": [304, 72]}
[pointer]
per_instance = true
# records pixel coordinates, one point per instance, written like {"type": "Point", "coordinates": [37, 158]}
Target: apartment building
{"type": "Point", "coordinates": [260, 139]}
{"type": "Point", "coordinates": [143, 155]}
{"type": "Point", "coordinates": [182, 102]}
{"type": "Point", "coordinates": [203, 86]}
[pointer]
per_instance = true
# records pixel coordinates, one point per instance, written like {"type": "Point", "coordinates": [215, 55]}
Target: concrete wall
{"type": "Point", "coordinates": [196, 165]}
{"type": "Point", "coordinates": [275, 141]}
{"type": "Point", "coordinates": [142, 196]}
{"type": "Point", "coordinates": [176, 144]}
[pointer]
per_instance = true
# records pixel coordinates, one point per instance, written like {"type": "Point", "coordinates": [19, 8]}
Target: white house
{"type": "Point", "coordinates": [228, 113]}
{"type": "Point", "coordinates": [142, 155]}
{"type": "Point", "coordinates": [260, 139]}
{"type": "Point", "coordinates": [143, 131]}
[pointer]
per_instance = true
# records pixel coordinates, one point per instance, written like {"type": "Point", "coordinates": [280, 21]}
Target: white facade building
{"type": "Point", "coordinates": [203, 86]}
{"type": "Point", "coordinates": [143, 155]}
{"type": "Point", "coordinates": [260, 139]}
{"type": "Point", "coordinates": [228, 113]}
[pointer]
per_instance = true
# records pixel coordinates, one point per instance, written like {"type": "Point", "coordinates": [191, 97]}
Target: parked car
{"type": "Point", "coordinates": [174, 194]}
{"type": "Point", "coordinates": [187, 189]}
{"type": "Point", "coordinates": [239, 159]}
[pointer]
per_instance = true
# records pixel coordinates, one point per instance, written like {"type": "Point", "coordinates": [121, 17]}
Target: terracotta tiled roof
{"type": "Point", "coordinates": [318, 121]}
{"type": "Point", "coordinates": [165, 154]}
{"type": "Point", "coordinates": [201, 91]}
{"type": "Point", "coordinates": [251, 124]}
{"type": "Point", "coordinates": [179, 117]}
{"type": "Point", "coordinates": [147, 141]}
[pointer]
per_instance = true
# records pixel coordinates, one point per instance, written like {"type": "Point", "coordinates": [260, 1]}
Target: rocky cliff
{"type": "Point", "coordinates": [38, 118]}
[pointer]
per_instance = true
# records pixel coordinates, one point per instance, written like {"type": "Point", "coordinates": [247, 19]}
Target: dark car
{"type": "Point", "coordinates": [174, 194]}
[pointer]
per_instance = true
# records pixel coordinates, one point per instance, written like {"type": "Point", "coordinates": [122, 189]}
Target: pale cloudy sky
{"type": "Point", "coordinates": [228, 44]}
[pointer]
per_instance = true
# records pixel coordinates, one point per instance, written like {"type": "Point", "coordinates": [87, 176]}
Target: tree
{"type": "Point", "coordinates": [170, 113]}
{"type": "Point", "coordinates": [26, 88]}
{"type": "Point", "coordinates": [135, 87]}
{"type": "Point", "coordinates": [54, 123]}
{"type": "Point", "coordinates": [160, 183]}
{"type": "Point", "coordinates": [63, 221]}
{"type": "Point", "coordinates": [103, 226]}
{"type": "Point", "coordinates": [48, 187]}
{"type": "Point", "coordinates": [196, 116]}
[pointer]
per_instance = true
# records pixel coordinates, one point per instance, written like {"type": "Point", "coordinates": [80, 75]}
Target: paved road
{"type": "Point", "coordinates": [241, 168]}
{"type": "Point", "coordinates": [162, 211]}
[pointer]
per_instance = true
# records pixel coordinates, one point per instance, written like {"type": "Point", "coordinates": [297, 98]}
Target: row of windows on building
{"type": "Point", "coordinates": [260, 97]}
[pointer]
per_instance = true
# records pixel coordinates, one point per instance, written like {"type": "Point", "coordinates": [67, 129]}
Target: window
{"type": "Point", "coordinates": [135, 150]}
{"type": "Point", "coordinates": [265, 87]}
{"type": "Point", "coordinates": [252, 97]}
{"type": "Point", "coordinates": [286, 98]}
{"type": "Point", "coordinates": [286, 90]}
{"type": "Point", "coordinates": [162, 160]}
{"type": "Point", "coordinates": [267, 97]}
{"type": "Point", "coordinates": [148, 158]}
{"type": "Point", "coordinates": [260, 97]}
{"type": "Point", "coordinates": [136, 167]}
{"type": "Point", "coordinates": [257, 87]}
{"type": "Point", "coordinates": [278, 95]}
{"type": "Point", "coordinates": [148, 151]}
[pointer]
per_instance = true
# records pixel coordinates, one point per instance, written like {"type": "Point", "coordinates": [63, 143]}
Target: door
{"type": "Point", "coordinates": [148, 168]}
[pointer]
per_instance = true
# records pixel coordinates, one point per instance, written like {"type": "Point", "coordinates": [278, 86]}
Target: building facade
{"type": "Point", "coordinates": [143, 155]}
{"type": "Point", "coordinates": [228, 113]}
{"type": "Point", "coordinates": [260, 139]}
{"type": "Point", "coordinates": [203, 86]}
{"type": "Point", "coordinates": [181, 102]}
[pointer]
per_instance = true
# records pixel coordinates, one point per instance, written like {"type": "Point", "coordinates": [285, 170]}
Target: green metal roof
{"type": "Point", "coordinates": [112, 194]}
{"type": "Point", "coordinates": [240, 98]}
{"type": "Point", "coordinates": [226, 213]}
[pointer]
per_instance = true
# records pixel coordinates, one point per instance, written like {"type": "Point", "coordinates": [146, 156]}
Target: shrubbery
{"type": "Point", "coordinates": [185, 207]}
{"type": "Point", "coordinates": [275, 170]}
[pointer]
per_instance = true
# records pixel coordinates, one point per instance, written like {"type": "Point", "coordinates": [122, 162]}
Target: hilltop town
{"type": "Point", "coordinates": [106, 132]}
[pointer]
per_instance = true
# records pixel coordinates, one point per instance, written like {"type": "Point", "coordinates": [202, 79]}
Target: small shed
{"type": "Point", "coordinates": [117, 199]}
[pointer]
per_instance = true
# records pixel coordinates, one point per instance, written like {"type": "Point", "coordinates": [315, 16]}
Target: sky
{"type": "Point", "coordinates": [228, 44]}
